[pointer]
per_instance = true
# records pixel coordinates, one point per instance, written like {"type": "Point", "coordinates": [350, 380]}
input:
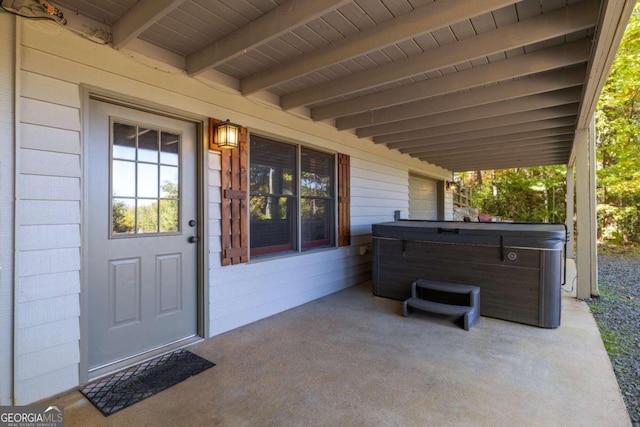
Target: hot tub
{"type": "Point", "coordinates": [518, 267]}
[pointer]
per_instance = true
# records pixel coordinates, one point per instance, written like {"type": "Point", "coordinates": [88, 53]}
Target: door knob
{"type": "Point", "coordinates": [193, 239]}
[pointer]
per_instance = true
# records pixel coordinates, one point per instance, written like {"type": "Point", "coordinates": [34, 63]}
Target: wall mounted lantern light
{"type": "Point", "coordinates": [226, 134]}
{"type": "Point", "coordinates": [451, 185]}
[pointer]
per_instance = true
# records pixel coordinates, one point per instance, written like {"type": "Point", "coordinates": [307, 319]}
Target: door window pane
{"type": "Point", "coordinates": [169, 182]}
{"type": "Point", "coordinates": [123, 212]}
{"type": "Point", "coordinates": [124, 141]}
{"type": "Point", "coordinates": [169, 216]}
{"type": "Point", "coordinates": [124, 179]}
{"type": "Point", "coordinates": [145, 180]}
{"type": "Point", "coordinates": [169, 144]}
{"type": "Point", "coordinates": [148, 145]}
{"type": "Point", "coordinates": [147, 214]}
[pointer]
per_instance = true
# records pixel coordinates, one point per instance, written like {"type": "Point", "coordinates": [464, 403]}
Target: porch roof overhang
{"type": "Point", "coordinates": [464, 85]}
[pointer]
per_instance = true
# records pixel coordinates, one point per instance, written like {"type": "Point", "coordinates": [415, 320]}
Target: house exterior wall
{"type": "Point", "coordinates": [56, 67]}
{"type": "Point", "coordinates": [7, 120]}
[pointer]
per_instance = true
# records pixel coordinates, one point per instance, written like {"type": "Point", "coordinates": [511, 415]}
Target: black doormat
{"type": "Point", "coordinates": [123, 389]}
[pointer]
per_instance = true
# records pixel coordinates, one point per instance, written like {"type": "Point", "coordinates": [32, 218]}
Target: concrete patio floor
{"type": "Point", "coordinates": [351, 359]}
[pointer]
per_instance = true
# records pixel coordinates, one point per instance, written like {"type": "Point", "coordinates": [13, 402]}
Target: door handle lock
{"type": "Point", "coordinates": [193, 239]}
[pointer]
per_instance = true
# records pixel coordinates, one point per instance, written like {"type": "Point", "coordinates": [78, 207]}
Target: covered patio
{"type": "Point", "coordinates": [385, 92]}
{"type": "Point", "coordinates": [351, 359]}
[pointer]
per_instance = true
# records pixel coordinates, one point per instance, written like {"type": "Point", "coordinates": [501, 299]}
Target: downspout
{"type": "Point", "coordinates": [570, 194]}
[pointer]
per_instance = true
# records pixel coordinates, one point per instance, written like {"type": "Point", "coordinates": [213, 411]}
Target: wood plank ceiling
{"type": "Point", "coordinates": [465, 85]}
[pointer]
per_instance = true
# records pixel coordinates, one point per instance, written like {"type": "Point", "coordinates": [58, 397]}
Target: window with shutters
{"type": "Point", "coordinates": [292, 202]}
{"type": "Point", "coordinates": [286, 200]}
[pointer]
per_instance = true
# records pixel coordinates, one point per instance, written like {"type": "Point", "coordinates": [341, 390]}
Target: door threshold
{"type": "Point", "coordinates": [104, 370]}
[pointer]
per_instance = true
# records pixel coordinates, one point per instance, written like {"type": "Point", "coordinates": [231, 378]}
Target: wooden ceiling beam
{"type": "Point", "coordinates": [493, 132]}
{"type": "Point", "coordinates": [536, 62]}
{"type": "Point", "coordinates": [564, 21]}
{"type": "Point", "coordinates": [269, 26]}
{"type": "Point", "coordinates": [540, 143]}
{"type": "Point", "coordinates": [553, 150]}
{"type": "Point", "coordinates": [539, 83]}
{"type": "Point", "coordinates": [487, 164]}
{"type": "Point", "coordinates": [484, 142]}
{"type": "Point", "coordinates": [517, 105]}
{"type": "Point", "coordinates": [472, 125]}
{"type": "Point", "coordinates": [139, 18]}
{"type": "Point", "coordinates": [425, 19]}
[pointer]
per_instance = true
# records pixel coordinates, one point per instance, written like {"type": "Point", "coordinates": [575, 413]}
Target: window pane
{"type": "Point", "coordinates": [148, 145]}
{"type": "Point", "coordinates": [316, 174]}
{"type": "Point", "coordinates": [123, 216]}
{"type": "Point", "coordinates": [147, 180]}
{"type": "Point", "coordinates": [169, 187]}
{"type": "Point", "coordinates": [317, 222]}
{"type": "Point", "coordinates": [169, 146]}
{"type": "Point", "coordinates": [169, 215]}
{"type": "Point", "coordinates": [124, 141]}
{"type": "Point", "coordinates": [147, 216]}
{"type": "Point", "coordinates": [123, 179]}
{"type": "Point", "coordinates": [273, 224]}
{"type": "Point", "coordinates": [273, 166]}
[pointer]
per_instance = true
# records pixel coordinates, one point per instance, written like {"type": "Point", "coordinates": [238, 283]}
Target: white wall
{"type": "Point", "coordinates": [7, 119]}
{"type": "Point", "coordinates": [55, 65]}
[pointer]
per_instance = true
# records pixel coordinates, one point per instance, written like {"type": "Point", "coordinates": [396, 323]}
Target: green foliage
{"type": "Point", "coordinates": [618, 128]}
{"type": "Point", "coordinates": [523, 195]}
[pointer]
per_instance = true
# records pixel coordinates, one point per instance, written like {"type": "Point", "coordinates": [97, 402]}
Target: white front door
{"type": "Point", "coordinates": [142, 217]}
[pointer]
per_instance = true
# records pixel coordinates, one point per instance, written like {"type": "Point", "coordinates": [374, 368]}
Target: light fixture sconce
{"type": "Point", "coordinates": [451, 185]}
{"type": "Point", "coordinates": [226, 134]}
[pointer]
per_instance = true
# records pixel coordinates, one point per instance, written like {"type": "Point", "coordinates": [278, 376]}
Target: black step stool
{"type": "Point", "coordinates": [470, 312]}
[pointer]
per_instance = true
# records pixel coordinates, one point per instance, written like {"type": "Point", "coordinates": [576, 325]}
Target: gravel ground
{"type": "Point", "coordinates": [617, 312]}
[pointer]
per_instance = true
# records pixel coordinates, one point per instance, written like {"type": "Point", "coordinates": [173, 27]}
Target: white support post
{"type": "Point", "coordinates": [587, 260]}
{"type": "Point", "coordinates": [593, 208]}
{"type": "Point", "coordinates": [570, 194]}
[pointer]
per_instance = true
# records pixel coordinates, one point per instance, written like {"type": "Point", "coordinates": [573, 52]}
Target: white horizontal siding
{"type": "Point", "coordinates": [48, 335]}
{"type": "Point", "coordinates": [48, 212]}
{"type": "Point", "coordinates": [38, 237]}
{"type": "Point", "coordinates": [36, 288]}
{"type": "Point", "coordinates": [47, 163]}
{"type": "Point", "coordinates": [377, 191]}
{"type": "Point", "coordinates": [55, 116]}
{"type": "Point", "coordinates": [50, 382]}
{"type": "Point", "coordinates": [39, 187]}
{"type": "Point", "coordinates": [39, 312]}
{"type": "Point", "coordinates": [48, 237]}
{"type": "Point", "coordinates": [7, 156]}
{"type": "Point", "coordinates": [35, 263]}
{"type": "Point", "coordinates": [51, 139]}
{"type": "Point", "coordinates": [33, 368]}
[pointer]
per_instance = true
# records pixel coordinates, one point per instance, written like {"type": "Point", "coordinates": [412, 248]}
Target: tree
{"type": "Point", "coordinates": [618, 130]}
{"type": "Point", "coordinates": [523, 195]}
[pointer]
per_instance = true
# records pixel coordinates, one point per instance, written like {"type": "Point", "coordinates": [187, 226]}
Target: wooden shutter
{"type": "Point", "coordinates": [344, 200]}
{"type": "Point", "coordinates": [235, 224]}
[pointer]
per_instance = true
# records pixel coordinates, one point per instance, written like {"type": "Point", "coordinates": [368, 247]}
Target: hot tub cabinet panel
{"type": "Point", "coordinates": [518, 267]}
